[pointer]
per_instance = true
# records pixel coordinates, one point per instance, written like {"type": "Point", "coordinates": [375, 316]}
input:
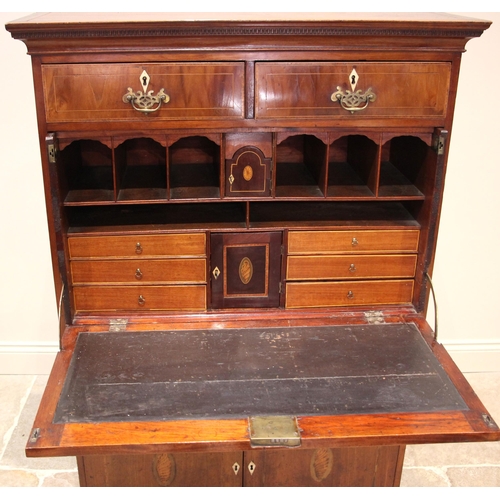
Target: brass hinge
{"type": "Point", "coordinates": [439, 143]}
{"type": "Point", "coordinates": [51, 151]}
{"type": "Point", "coordinates": [118, 324]}
{"type": "Point", "coordinates": [274, 431]}
{"type": "Point", "coordinates": [374, 317]}
{"type": "Point", "coordinates": [280, 287]}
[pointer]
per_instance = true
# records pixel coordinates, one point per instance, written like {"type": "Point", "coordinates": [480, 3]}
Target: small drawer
{"type": "Point", "coordinates": [352, 293]}
{"type": "Point", "coordinates": [408, 91]}
{"type": "Point", "coordinates": [140, 298]}
{"type": "Point", "coordinates": [137, 246]}
{"type": "Point", "coordinates": [94, 92]}
{"type": "Point", "coordinates": [330, 242]}
{"type": "Point", "coordinates": [337, 267]}
{"type": "Point", "coordinates": [145, 271]}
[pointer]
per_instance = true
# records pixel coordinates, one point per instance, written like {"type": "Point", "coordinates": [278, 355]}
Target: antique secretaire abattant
{"type": "Point", "coordinates": [243, 215]}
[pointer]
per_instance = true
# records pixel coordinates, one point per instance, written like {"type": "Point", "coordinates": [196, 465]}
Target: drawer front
{"type": "Point", "coordinates": [329, 242]}
{"type": "Point", "coordinates": [140, 298]}
{"type": "Point", "coordinates": [331, 267]}
{"type": "Point", "coordinates": [352, 293]}
{"type": "Point", "coordinates": [137, 270]}
{"type": "Point", "coordinates": [406, 90]}
{"type": "Point", "coordinates": [138, 246]}
{"type": "Point", "coordinates": [93, 92]}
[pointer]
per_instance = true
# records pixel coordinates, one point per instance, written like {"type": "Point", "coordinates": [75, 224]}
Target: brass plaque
{"type": "Point", "coordinates": [274, 431]}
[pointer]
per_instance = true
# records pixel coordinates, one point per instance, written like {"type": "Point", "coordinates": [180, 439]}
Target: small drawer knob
{"type": "Point", "coordinates": [138, 274]}
{"type": "Point", "coordinates": [350, 294]}
{"type": "Point", "coordinates": [138, 248]}
{"type": "Point", "coordinates": [141, 300]}
{"type": "Point", "coordinates": [352, 268]}
{"type": "Point", "coordinates": [354, 242]}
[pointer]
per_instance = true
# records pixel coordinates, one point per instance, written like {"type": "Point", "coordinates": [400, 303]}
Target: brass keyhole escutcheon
{"type": "Point", "coordinates": [251, 468]}
{"type": "Point", "coordinates": [216, 272]}
{"type": "Point", "coordinates": [248, 173]}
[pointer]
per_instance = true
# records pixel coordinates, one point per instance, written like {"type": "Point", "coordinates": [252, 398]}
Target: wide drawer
{"type": "Point", "coordinates": [139, 270]}
{"type": "Point", "coordinates": [137, 246]}
{"type": "Point", "coordinates": [93, 92]}
{"type": "Point", "coordinates": [351, 293]}
{"type": "Point", "coordinates": [325, 267]}
{"type": "Point", "coordinates": [140, 298]}
{"type": "Point", "coordinates": [326, 242]}
{"type": "Point", "coordinates": [407, 90]}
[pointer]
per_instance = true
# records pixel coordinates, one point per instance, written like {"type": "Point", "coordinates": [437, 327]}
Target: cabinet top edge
{"type": "Point", "coordinates": [88, 24]}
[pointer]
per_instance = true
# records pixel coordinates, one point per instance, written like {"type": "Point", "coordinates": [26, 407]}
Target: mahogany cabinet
{"type": "Point", "coordinates": [243, 215]}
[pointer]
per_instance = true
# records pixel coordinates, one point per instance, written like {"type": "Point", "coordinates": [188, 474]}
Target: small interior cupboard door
{"type": "Point", "coordinates": [245, 269]}
{"type": "Point", "coordinates": [248, 173]}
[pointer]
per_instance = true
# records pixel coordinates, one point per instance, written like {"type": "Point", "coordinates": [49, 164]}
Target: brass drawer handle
{"type": "Point", "coordinates": [146, 102]}
{"type": "Point", "coordinates": [138, 274]}
{"type": "Point", "coordinates": [350, 294]}
{"type": "Point", "coordinates": [138, 248]}
{"type": "Point", "coordinates": [354, 242]}
{"type": "Point", "coordinates": [352, 268]}
{"type": "Point", "coordinates": [141, 300]}
{"type": "Point", "coordinates": [353, 101]}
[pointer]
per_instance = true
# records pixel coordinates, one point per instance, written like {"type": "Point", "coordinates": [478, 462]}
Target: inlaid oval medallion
{"type": "Point", "coordinates": [248, 173]}
{"type": "Point", "coordinates": [321, 464]}
{"type": "Point", "coordinates": [246, 270]}
{"type": "Point", "coordinates": [164, 469]}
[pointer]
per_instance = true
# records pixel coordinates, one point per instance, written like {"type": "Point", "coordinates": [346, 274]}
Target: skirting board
{"type": "Point", "coordinates": [37, 359]}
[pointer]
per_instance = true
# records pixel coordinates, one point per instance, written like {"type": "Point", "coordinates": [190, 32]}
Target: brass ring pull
{"type": "Point", "coordinates": [141, 300]}
{"type": "Point", "coordinates": [353, 101]}
{"type": "Point", "coordinates": [146, 102]}
{"type": "Point", "coordinates": [354, 242]}
{"type": "Point", "coordinates": [138, 274]}
{"type": "Point", "coordinates": [138, 248]}
{"type": "Point", "coordinates": [350, 295]}
{"type": "Point", "coordinates": [352, 268]}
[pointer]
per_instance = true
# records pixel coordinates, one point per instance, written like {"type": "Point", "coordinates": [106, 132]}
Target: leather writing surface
{"type": "Point", "coordinates": [205, 374]}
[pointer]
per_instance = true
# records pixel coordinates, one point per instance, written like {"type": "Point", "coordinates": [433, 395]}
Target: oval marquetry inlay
{"type": "Point", "coordinates": [248, 173]}
{"type": "Point", "coordinates": [246, 270]}
{"type": "Point", "coordinates": [321, 464]}
{"type": "Point", "coordinates": [164, 469]}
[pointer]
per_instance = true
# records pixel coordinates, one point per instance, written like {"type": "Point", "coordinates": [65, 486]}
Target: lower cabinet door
{"type": "Point", "coordinates": [169, 469]}
{"type": "Point", "coordinates": [359, 466]}
{"type": "Point", "coordinates": [245, 269]}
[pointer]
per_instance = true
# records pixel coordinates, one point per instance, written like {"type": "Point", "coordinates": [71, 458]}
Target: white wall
{"type": "Point", "coordinates": [467, 270]}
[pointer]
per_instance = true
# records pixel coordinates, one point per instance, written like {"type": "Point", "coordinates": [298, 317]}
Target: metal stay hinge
{"type": "Point", "coordinates": [118, 324]}
{"type": "Point", "coordinates": [35, 434]}
{"type": "Point", "coordinates": [274, 431]}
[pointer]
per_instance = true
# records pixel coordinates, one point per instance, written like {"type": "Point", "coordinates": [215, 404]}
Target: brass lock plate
{"type": "Point", "coordinates": [274, 431]}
